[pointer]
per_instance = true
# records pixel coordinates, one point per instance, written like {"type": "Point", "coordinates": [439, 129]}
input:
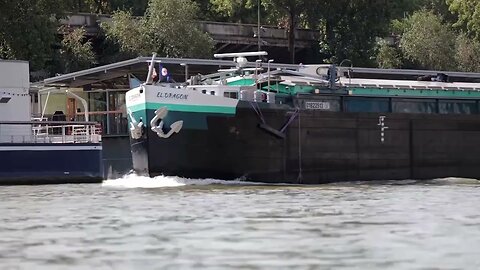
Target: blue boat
{"type": "Point", "coordinates": [36, 151]}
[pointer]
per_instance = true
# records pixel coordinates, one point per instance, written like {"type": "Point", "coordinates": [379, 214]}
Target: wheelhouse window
{"type": "Point", "coordinates": [457, 107]}
{"type": "Point", "coordinates": [366, 104]}
{"type": "Point", "coordinates": [414, 106]}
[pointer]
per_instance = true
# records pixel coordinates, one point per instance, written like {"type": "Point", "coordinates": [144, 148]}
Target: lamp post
{"type": "Point", "coordinates": [258, 25]}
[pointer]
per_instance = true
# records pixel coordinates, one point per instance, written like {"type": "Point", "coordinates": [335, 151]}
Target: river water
{"type": "Point", "coordinates": [173, 223]}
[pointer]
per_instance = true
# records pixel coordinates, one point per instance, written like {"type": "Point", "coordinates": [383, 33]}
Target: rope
{"type": "Point", "coordinates": [300, 176]}
{"type": "Point", "coordinates": [257, 111]}
{"type": "Point", "coordinates": [290, 120]}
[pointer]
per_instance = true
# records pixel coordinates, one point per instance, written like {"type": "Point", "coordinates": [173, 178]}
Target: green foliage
{"type": "Point", "coordinates": [241, 11]}
{"type": "Point", "coordinates": [468, 15]}
{"type": "Point", "coordinates": [126, 31]}
{"type": "Point", "coordinates": [167, 28]}
{"type": "Point", "coordinates": [27, 30]}
{"type": "Point", "coordinates": [137, 7]}
{"type": "Point", "coordinates": [288, 13]}
{"type": "Point", "coordinates": [350, 29]}
{"type": "Point", "coordinates": [75, 53]}
{"type": "Point", "coordinates": [439, 7]}
{"type": "Point", "coordinates": [467, 54]}
{"type": "Point", "coordinates": [99, 6]}
{"type": "Point", "coordinates": [388, 56]}
{"type": "Point", "coordinates": [428, 41]}
{"type": "Point", "coordinates": [208, 11]}
{"type": "Point", "coordinates": [400, 9]}
{"type": "Point", "coordinates": [280, 9]}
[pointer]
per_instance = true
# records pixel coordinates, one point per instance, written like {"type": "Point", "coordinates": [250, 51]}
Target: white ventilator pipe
{"type": "Point", "coordinates": [45, 105]}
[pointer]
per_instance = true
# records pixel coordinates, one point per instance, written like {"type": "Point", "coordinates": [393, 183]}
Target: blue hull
{"type": "Point", "coordinates": [33, 164]}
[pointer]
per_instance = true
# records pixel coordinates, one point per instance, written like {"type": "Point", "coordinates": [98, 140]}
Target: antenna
{"type": "Point", "coordinates": [239, 58]}
{"type": "Point", "coordinates": [243, 54]}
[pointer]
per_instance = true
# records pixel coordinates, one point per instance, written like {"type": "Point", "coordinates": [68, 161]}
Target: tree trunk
{"type": "Point", "coordinates": [291, 36]}
{"type": "Point", "coordinates": [330, 36]}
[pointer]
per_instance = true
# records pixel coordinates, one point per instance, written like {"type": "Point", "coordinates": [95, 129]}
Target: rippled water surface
{"type": "Point", "coordinates": [172, 223]}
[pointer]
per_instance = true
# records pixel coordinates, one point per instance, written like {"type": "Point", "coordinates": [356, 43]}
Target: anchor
{"type": "Point", "coordinates": [159, 115]}
{"type": "Point", "coordinates": [136, 128]}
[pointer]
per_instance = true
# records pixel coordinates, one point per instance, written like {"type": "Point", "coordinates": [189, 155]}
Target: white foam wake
{"type": "Point", "coordinates": [135, 181]}
{"type": "Point", "coordinates": [456, 180]}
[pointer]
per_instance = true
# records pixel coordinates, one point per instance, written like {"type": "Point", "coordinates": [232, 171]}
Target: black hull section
{"type": "Point", "coordinates": [317, 147]}
{"type": "Point", "coordinates": [35, 164]}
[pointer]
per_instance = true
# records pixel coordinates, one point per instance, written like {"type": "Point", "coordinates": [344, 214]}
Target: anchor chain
{"type": "Point", "coordinates": [136, 127]}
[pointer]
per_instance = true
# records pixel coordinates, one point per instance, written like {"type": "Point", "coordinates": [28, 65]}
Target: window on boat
{"type": "Point", "coordinates": [457, 107]}
{"type": "Point", "coordinates": [231, 95]}
{"type": "Point", "coordinates": [414, 105]}
{"type": "Point", "coordinates": [284, 99]}
{"type": "Point", "coordinates": [366, 104]}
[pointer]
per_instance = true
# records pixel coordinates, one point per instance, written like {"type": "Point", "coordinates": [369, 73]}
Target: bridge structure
{"type": "Point", "coordinates": [230, 37]}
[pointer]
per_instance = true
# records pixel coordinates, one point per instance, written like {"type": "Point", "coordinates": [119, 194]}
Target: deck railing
{"type": "Point", "coordinates": [111, 122]}
{"type": "Point", "coordinates": [49, 132]}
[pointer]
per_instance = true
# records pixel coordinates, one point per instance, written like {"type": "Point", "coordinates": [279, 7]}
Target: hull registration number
{"type": "Point", "coordinates": [317, 105]}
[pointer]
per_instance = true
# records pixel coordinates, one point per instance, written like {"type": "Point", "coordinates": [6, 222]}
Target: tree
{"type": "Point", "coordinates": [239, 11]}
{"type": "Point", "coordinates": [428, 41]}
{"type": "Point", "coordinates": [467, 54]}
{"type": "Point", "coordinates": [401, 8]}
{"type": "Point", "coordinates": [28, 30]}
{"type": "Point", "coordinates": [288, 14]}
{"type": "Point", "coordinates": [137, 7]}
{"type": "Point", "coordinates": [388, 56]}
{"type": "Point", "coordinates": [75, 53]}
{"type": "Point", "coordinates": [167, 28]}
{"type": "Point", "coordinates": [468, 15]}
{"type": "Point", "coordinates": [209, 11]}
{"type": "Point", "coordinates": [288, 11]}
{"type": "Point", "coordinates": [439, 7]}
{"type": "Point", "coordinates": [350, 29]}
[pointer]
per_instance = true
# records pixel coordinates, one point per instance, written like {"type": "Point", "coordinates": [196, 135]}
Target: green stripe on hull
{"type": "Point", "coordinates": [414, 93]}
{"type": "Point", "coordinates": [184, 108]}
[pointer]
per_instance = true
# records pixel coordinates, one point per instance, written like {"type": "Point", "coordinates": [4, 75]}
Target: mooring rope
{"type": "Point", "coordinates": [290, 120]}
{"type": "Point", "coordinates": [300, 176]}
{"type": "Point", "coordinates": [257, 111]}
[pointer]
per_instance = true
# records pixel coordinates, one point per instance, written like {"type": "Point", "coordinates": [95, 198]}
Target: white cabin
{"type": "Point", "coordinates": [14, 98]}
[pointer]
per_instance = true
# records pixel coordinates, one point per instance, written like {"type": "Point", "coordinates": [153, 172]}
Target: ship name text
{"type": "Point", "coordinates": [172, 95]}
